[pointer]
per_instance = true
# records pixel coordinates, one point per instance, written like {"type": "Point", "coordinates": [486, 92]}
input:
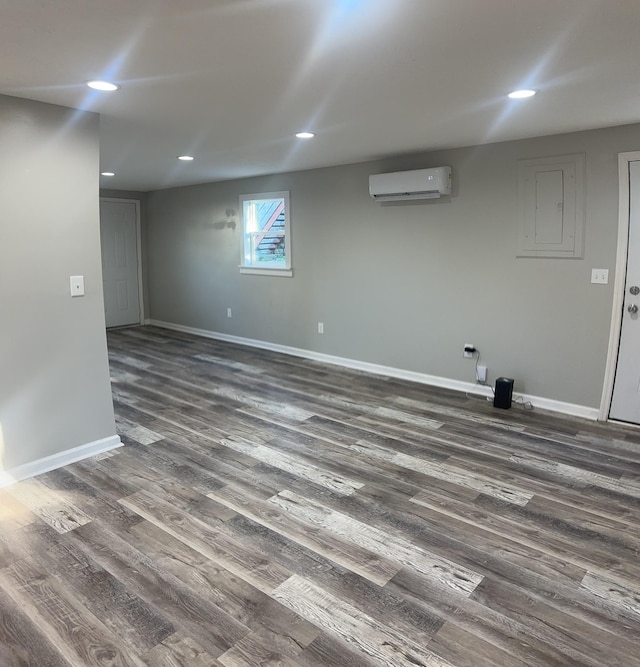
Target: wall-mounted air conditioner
{"type": "Point", "coordinates": [416, 184]}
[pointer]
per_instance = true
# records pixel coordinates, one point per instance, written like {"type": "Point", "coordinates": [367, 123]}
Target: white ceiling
{"type": "Point", "coordinates": [231, 81]}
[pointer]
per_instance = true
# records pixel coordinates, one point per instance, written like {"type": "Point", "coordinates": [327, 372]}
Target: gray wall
{"type": "Point", "coordinates": [406, 285]}
{"type": "Point", "coordinates": [54, 380]}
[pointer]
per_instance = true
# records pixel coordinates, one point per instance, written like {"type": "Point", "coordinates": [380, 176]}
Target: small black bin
{"type": "Point", "coordinates": [503, 393]}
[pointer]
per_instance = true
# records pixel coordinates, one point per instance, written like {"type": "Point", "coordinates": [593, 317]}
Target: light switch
{"type": "Point", "coordinates": [77, 285]}
{"type": "Point", "coordinates": [600, 276]}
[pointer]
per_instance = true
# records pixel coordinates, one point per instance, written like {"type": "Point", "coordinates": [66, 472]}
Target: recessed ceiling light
{"type": "Point", "coordinates": [521, 94]}
{"type": "Point", "coordinates": [305, 135]}
{"type": "Point", "coordinates": [185, 158]}
{"type": "Point", "coordinates": [105, 86]}
{"type": "Point", "coordinates": [107, 173]}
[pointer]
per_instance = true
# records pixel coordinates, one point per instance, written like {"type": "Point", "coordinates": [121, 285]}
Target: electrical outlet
{"type": "Point", "coordinates": [600, 276]}
{"type": "Point", "coordinates": [481, 374]}
{"type": "Point", "coordinates": [468, 354]}
{"type": "Point", "coordinates": [320, 327]}
{"type": "Point", "coordinates": [228, 312]}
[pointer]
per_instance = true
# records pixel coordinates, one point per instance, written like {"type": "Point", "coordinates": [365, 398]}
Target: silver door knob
{"type": "Point", "coordinates": [633, 309]}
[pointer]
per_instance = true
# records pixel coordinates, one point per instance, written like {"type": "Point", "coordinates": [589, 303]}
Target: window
{"type": "Point", "coordinates": [266, 236]}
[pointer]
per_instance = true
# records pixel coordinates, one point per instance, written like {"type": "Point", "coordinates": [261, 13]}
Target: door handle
{"type": "Point", "coordinates": [633, 309]}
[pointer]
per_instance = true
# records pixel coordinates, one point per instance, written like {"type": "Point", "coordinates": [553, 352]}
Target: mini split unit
{"type": "Point", "coordinates": [416, 184]}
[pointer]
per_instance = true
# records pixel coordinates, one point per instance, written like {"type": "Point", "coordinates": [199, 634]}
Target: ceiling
{"type": "Point", "coordinates": [231, 81]}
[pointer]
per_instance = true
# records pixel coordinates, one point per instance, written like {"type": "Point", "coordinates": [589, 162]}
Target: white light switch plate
{"type": "Point", "coordinates": [77, 285]}
{"type": "Point", "coordinates": [600, 276]}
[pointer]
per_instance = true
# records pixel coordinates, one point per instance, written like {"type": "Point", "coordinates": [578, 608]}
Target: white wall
{"type": "Point", "coordinates": [406, 285]}
{"type": "Point", "coordinates": [54, 380]}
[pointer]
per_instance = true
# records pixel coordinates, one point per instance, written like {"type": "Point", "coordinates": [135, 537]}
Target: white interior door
{"type": "Point", "coordinates": [120, 271]}
{"type": "Point", "coordinates": [625, 404]}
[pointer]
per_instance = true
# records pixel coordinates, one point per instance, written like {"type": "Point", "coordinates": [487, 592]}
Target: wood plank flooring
{"type": "Point", "coordinates": [269, 510]}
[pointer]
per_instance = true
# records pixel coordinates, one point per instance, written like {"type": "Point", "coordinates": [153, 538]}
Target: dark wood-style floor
{"type": "Point", "coordinates": [269, 510]}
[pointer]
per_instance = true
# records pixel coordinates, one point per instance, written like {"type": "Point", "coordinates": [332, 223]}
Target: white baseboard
{"type": "Point", "coordinates": [59, 460]}
{"type": "Point", "coordinates": [388, 371]}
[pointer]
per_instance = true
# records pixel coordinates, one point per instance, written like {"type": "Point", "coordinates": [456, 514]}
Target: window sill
{"type": "Point", "coordinates": [256, 271]}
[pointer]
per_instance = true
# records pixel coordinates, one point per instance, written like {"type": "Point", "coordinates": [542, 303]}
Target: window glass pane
{"type": "Point", "coordinates": [265, 230]}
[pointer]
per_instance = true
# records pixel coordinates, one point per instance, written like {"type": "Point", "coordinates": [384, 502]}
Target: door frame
{"type": "Point", "coordinates": [136, 203]}
{"type": "Point", "coordinates": [620, 278]}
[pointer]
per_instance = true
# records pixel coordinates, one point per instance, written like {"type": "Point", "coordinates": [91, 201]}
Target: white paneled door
{"type": "Point", "coordinates": [625, 404]}
{"type": "Point", "coordinates": [120, 276]}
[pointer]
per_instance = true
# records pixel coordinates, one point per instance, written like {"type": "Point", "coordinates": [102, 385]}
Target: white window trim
{"type": "Point", "coordinates": [256, 271]}
{"type": "Point", "coordinates": [285, 271]}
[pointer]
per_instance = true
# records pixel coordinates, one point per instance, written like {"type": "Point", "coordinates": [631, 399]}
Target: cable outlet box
{"type": "Point", "coordinates": [482, 374]}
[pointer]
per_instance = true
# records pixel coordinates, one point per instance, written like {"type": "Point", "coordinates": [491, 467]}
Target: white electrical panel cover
{"type": "Point", "coordinates": [551, 206]}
